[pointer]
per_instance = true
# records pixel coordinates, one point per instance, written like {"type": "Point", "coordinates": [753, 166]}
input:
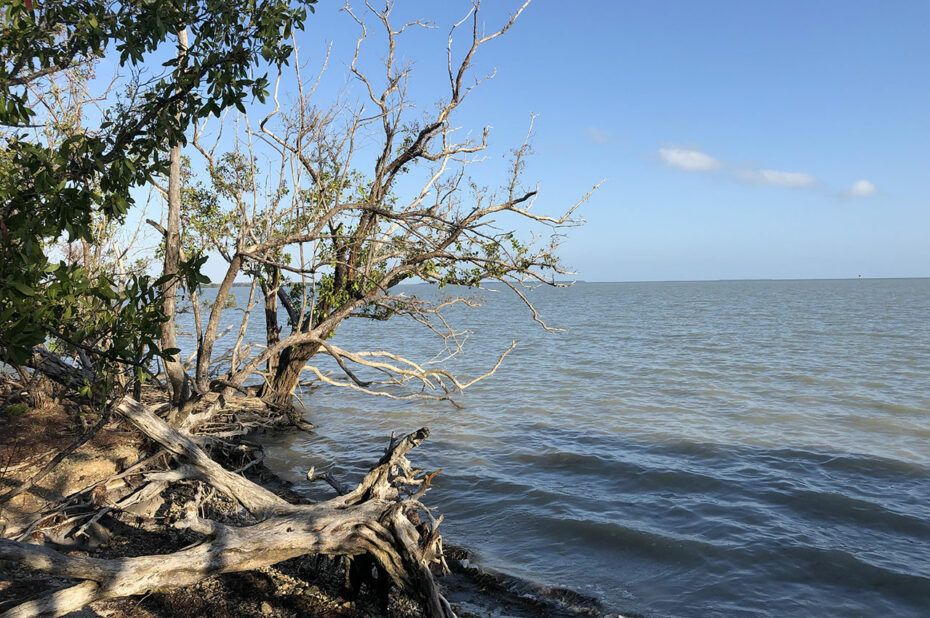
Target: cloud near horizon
{"type": "Point", "coordinates": [795, 180]}
{"type": "Point", "coordinates": [860, 188]}
{"type": "Point", "coordinates": [693, 160]}
{"type": "Point", "coordinates": [688, 160]}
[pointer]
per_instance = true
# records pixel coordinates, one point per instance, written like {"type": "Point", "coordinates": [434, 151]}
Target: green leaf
{"type": "Point", "coordinates": [23, 289]}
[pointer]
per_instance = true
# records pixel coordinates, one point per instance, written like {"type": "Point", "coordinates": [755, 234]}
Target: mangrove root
{"type": "Point", "coordinates": [380, 517]}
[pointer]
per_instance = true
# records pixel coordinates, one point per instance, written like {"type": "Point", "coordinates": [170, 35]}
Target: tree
{"type": "Point", "coordinates": [345, 233]}
{"type": "Point", "coordinates": [347, 237]}
{"type": "Point", "coordinates": [53, 189]}
{"type": "Point", "coordinates": [173, 367]}
{"type": "Point", "coordinates": [376, 517]}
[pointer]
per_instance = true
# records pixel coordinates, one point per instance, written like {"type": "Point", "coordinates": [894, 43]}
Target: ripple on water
{"type": "Point", "coordinates": [684, 449]}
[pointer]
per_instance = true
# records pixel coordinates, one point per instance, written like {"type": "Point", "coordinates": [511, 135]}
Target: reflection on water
{"type": "Point", "coordinates": [686, 449]}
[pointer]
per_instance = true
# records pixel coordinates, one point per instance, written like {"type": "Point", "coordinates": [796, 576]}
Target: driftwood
{"type": "Point", "coordinates": [59, 370]}
{"type": "Point", "coordinates": [380, 517]}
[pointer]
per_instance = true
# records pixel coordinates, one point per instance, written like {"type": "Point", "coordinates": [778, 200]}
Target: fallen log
{"type": "Point", "coordinates": [375, 518]}
{"type": "Point", "coordinates": [59, 370]}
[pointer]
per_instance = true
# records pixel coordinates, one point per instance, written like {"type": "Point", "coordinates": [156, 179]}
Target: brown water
{"type": "Point", "coordinates": [684, 449]}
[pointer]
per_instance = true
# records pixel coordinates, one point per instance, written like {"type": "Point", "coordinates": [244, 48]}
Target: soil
{"type": "Point", "coordinates": [308, 586]}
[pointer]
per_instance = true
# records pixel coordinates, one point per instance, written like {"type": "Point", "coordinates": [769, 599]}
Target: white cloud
{"type": "Point", "coordinates": [860, 188]}
{"type": "Point", "coordinates": [689, 160]}
{"type": "Point", "coordinates": [597, 135]}
{"type": "Point", "coordinates": [692, 160]}
{"type": "Point", "coordinates": [779, 178]}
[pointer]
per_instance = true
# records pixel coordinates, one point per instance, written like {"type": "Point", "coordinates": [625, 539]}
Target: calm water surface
{"type": "Point", "coordinates": [682, 449]}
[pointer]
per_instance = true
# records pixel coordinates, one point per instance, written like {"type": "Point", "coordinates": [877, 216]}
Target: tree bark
{"type": "Point", "coordinates": [174, 369]}
{"type": "Point", "coordinates": [272, 329]}
{"type": "Point", "coordinates": [205, 347]}
{"type": "Point", "coordinates": [280, 391]}
{"type": "Point", "coordinates": [375, 518]}
{"type": "Point", "coordinates": [59, 370]}
{"type": "Point", "coordinates": [199, 465]}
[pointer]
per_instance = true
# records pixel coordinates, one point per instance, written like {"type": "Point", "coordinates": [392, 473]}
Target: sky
{"type": "Point", "coordinates": [738, 140]}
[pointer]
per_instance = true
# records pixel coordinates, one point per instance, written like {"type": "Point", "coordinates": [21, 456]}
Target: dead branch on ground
{"type": "Point", "coordinates": [376, 517]}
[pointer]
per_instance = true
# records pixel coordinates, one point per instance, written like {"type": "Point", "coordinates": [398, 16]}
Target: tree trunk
{"type": "Point", "coordinates": [205, 347]}
{"type": "Point", "coordinates": [272, 329]}
{"type": "Point", "coordinates": [280, 391]}
{"type": "Point", "coordinates": [59, 370]}
{"type": "Point", "coordinates": [173, 366]}
{"type": "Point", "coordinates": [376, 518]}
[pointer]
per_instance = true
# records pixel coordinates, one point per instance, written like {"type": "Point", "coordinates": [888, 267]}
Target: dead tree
{"type": "Point", "coordinates": [345, 233]}
{"type": "Point", "coordinates": [375, 518]}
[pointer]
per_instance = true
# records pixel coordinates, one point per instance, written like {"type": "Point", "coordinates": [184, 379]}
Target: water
{"type": "Point", "coordinates": [683, 449]}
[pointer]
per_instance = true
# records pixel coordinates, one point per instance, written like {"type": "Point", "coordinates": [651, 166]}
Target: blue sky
{"type": "Point", "coordinates": [733, 135]}
{"type": "Point", "coordinates": [738, 139]}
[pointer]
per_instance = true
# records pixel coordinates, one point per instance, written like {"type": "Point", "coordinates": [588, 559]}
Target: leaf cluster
{"type": "Point", "coordinates": [57, 188]}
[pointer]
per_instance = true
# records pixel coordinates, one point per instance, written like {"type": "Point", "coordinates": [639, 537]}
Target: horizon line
{"type": "Point", "coordinates": [859, 278]}
{"type": "Point", "coordinates": [736, 279]}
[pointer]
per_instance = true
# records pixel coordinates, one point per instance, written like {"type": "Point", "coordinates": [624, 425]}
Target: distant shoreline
{"type": "Point", "coordinates": [245, 284]}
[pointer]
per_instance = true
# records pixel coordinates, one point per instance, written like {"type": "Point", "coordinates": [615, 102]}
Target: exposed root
{"type": "Point", "coordinates": [379, 517]}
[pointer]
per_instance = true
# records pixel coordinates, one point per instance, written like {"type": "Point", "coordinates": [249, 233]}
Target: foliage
{"type": "Point", "coordinates": [330, 230]}
{"type": "Point", "coordinates": [61, 174]}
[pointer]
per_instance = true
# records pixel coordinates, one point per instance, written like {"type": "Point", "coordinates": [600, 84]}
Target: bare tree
{"type": "Point", "coordinates": [328, 233]}
{"type": "Point", "coordinates": [377, 518]}
{"type": "Point", "coordinates": [347, 237]}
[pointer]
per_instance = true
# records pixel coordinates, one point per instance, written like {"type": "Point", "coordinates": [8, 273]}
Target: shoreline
{"type": "Point", "coordinates": [311, 586]}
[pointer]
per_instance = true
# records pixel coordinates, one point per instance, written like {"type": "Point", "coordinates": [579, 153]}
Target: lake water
{"type": "Point", "coordinates": [737, 448]}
